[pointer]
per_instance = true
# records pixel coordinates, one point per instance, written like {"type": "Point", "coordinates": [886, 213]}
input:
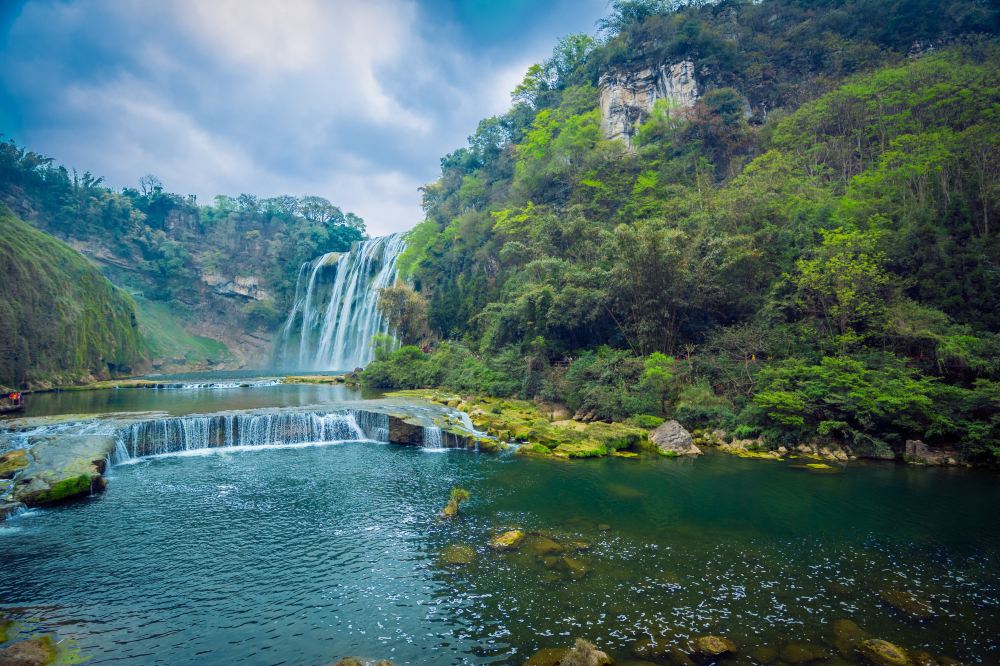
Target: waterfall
{"type": "Point", "coordinates": [432, 438]}
{"type": "Point", "coordinates": [187, 433]}
{"type": "Point", "coordinates": [335, 314]}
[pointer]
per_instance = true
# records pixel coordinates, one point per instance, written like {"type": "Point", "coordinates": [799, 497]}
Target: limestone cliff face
{"type": "Point", "coordinates": [627, 97]}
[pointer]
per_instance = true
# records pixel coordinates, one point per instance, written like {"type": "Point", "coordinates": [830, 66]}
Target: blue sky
{"type": "Point", "coordinates": [355, 101]}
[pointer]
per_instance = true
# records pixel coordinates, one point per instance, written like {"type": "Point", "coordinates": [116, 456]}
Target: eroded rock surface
{"type": "Point", "coordinates": [627, 97]}
{"type": "Point", "coordinates": [672, 439]}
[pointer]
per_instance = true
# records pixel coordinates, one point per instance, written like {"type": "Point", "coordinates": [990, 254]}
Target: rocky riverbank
{"type": "Point", "coordinates": [548, 430]}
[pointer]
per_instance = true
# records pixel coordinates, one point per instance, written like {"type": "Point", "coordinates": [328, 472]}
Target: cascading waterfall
{"type": "Point", "coordinates": [331, 326]}
{"type": "Point", "coordinates": [188, 433]}
{"type": "Point", "coordinates": [432, 438]}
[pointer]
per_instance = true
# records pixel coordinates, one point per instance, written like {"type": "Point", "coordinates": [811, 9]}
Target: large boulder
{"type": "Point", "coordinates": [585, 653]}
{"type": "Point", "coordinates": [63, 467]}
{"type": "Point", "coordinates": [672, 439]}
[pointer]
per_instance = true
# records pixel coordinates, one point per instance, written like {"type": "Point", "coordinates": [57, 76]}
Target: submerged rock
{"type": "Point", "coordinates": [803, 653]}
{"type": "Point", "coordinates": [883, 653]}
{"type": "Point", "coordinates": [713, 646]}
{"type": "Point", "coordinates": [585, 653]}
{"type": "Point", "coordinates": [509, 540]}
{"type": "Point", "coordinates": [909, 604]}
{"type": "Point", "coordinates": [38, 651]}
{"type": "Point", "coordinates": [540, 545]}
{"type": "Point", "coordinates": [671, 439]}
{"type": "Point", "coordinates": [457, 554]}
{"type": "Point", "coordinates": [547, 657]}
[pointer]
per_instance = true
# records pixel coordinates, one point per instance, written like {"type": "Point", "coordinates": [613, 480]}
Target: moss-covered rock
{"type": "Point", "coordinates": [712, 646]}
{"type": "Point", "coordinates": [508, 540]}
{"type": "Point", "coordinates": [12, 462]}
{"type": "Point", "coordinates": [38, 651]}
{"type": "Point", "coordinates": [882, 653]}
{"type": "Point", "coordinates": [457, 496]}
{"type": "Point", "coordinates": [585, 653]}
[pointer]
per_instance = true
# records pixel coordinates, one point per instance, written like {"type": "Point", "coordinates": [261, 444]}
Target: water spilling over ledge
{"type": "Point", "coordinates": [335, 313]}
{"type": "Point", "coordinates": [69, 457]}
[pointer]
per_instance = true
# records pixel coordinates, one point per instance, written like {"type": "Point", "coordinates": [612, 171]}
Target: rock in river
{"type": "Point", "coordinates": [32, 652]}
{"type": "Point", "coordinates": [713, 646]}
{"type": "Point", "coordinates": [672, 439]}
{"type": "Point", "coordinates": [63, 467]}
{"type": "Point", "coordinates": [509, 540]}
{"type": "Point", "coordinates": [883, 653]}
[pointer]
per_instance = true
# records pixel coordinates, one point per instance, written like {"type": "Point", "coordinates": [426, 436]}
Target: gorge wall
{"type": "Point", "coordinates": [627, 96]}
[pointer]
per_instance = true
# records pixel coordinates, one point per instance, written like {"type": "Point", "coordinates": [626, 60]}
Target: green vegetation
{"type": "Point", "coordinates": [166, 338]}
{"type": "Point", "coordinates": [230, 263]}
{"type": "Point", "coordinates": [60, 320]}
{"type": "Point", "coordinates": [808, 255]}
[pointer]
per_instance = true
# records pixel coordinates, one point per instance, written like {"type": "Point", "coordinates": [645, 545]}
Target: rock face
{"type": "Point", "coordinates": [627, 97]}
{"type": "Point", "coordinates": [918, 453]}
{"type": "Point", "coordinates": [62, 468]}
{"type": "Point", "coordinates": [402, 432]}
{"type": "Point", "coordinates": [672, 439]}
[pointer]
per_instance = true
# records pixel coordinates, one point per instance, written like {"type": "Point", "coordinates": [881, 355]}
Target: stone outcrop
{"type": "Point", "coordinates": [627, 97]}
{"type": "Point", "coordinates": [62, 468]}
{"type": "Point", "coordinates": [918, 453]}
{"type": "Point", "coordinates": [672, 439]}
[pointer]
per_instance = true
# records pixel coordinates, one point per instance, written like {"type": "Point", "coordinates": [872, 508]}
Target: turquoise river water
{"type": "Point", "coordinates": [303, 554]}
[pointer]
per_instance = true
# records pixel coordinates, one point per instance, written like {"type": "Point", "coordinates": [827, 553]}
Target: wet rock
{"type": "Point", "coordinates": [574, 567]}
{"type": "Point", "coordinates": [672, 439]}
{"type": "Point", "coordinates": [882, 653]}
{"type": "Point", "coordinates": [350, 661]}
{"type": "Point", "coordinates": [458, 495]}
{"type": "Point", "coordinates": [764, 655]}
{"type": "Point", "coordinates": [509, 540]}
{"type": "Point", "coordinates": [847, 630]}
{"type": "Point", "coordinates": [909, 604]}
{"type": "Point", "coordinates": [12, 462]}
{"type": "Point", "coordinates": [585, 653]}
{"type": "Point", "coordinates": [712, 646]}
{"type": "Point", "coordinates": [402, 432]}
{"type": "Point", "coordinates": [918, 453]}
{"type": "Point", "coordinates": [547, 657]}
{"type": "Point", "coordinates": [541, 546]}
{"type": "Point", "coordinates": [803, 653]}
{"type": "Point", "coordinates": [62, 468]}
{"type": "Point", "coordinates": [456, 555]}
{"type": "Point", "coordinates": [32, 652]}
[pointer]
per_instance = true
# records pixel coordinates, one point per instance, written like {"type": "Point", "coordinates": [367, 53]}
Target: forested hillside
{"type": "Point", "coordinates": [218, 277]}
{"type": "Point", "coordinates": [61, 321]}
{"type": "Point", "coordinates": [809, 252]}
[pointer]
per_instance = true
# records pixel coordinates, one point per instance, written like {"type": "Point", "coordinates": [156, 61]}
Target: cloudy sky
{"type": "Point", "coordinates": [352, 100]}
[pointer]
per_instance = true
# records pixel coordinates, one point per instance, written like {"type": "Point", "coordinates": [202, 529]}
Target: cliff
{"type": "Point", "coordinates": [628, 96]}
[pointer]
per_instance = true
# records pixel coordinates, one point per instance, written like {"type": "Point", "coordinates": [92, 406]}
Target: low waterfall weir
{"type": "Point", "coordinates": [335, 314]}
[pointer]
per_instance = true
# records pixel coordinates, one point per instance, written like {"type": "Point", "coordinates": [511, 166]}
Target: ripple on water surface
{"type": "Point", "coordinates": [300, 555]}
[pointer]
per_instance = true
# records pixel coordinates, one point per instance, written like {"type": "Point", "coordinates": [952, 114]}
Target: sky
{"type": "Point", "coordinates": [355, 101]}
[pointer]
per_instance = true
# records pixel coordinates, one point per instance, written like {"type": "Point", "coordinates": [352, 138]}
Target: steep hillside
{"type": "Point", "coordinates": [776, 217]}
{"type": "Point", "coordinates": [60, 320]}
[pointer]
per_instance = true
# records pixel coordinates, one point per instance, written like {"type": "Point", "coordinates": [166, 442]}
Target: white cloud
{"type": "Point", "coordinates": [354, 101]}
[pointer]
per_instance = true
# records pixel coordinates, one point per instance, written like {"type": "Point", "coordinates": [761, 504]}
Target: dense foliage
{"type": "Point", "coordinates": [176, 254]}
{"type": "Point", "coordinates": [60, 319]}
{"type": "Point", "coordinates": [809, 253]}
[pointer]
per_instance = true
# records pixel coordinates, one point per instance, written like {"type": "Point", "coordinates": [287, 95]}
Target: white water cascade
{"type": "Point", "coordinates": [189, 433]}
{"type": "Point", "coordinates": [335, 314]}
